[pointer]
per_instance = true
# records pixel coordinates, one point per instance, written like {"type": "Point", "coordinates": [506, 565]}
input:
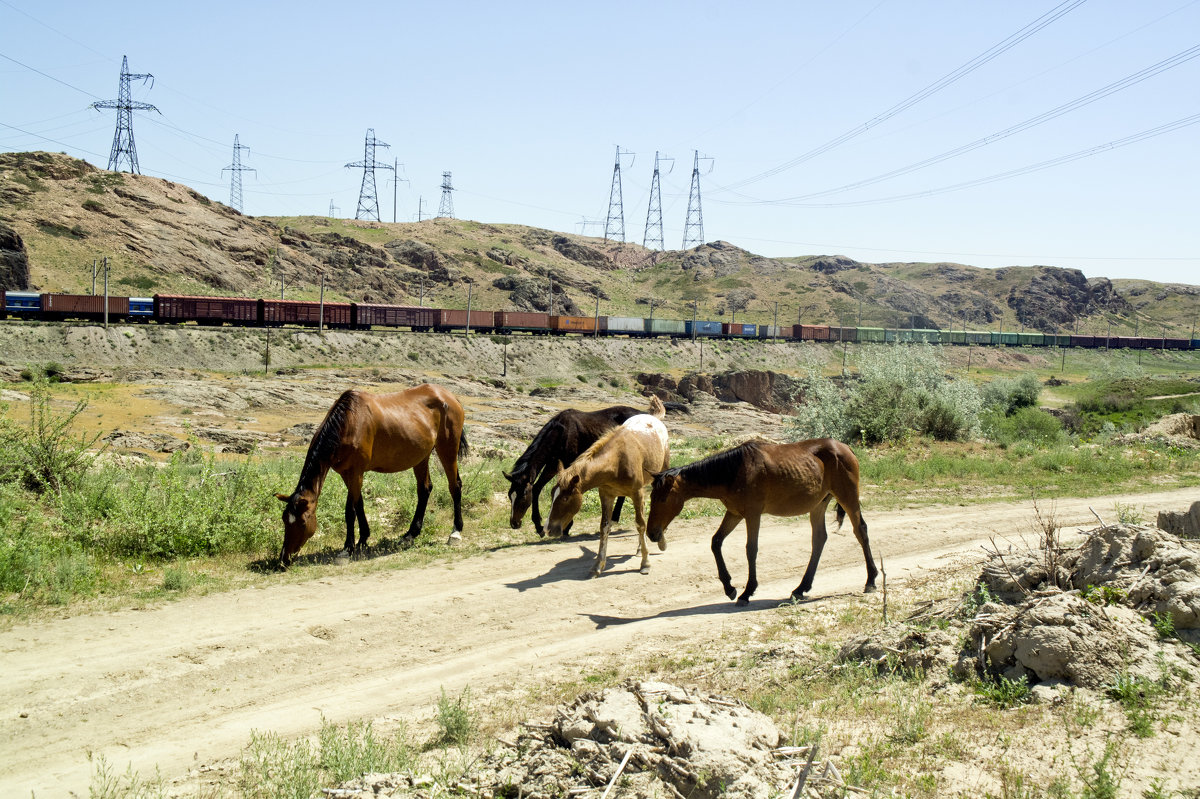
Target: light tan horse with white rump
{"type": "Point", "coordinates": [621, 463]}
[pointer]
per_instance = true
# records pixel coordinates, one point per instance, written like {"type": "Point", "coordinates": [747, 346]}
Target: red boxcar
{"type": "Point", "coordinates": [573, 324]}
{"type": "Point", "coordinates": [410, 316]}
{"type": "Point", "coordinates": [207, 310]}
{"type": "Point", "coordinates": [455, 319]}
{"type": "Point", "coordinates": [83, 306]}
{"type": "Point", "coordinates": [300, 312]}
{"type": "Point", "coordinates": [813, 332]}
{"type": "Point", "coordinates": [508, 321]}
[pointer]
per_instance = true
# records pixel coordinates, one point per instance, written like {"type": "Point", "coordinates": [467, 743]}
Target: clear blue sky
{"type": "Point", "coordinates": [525, 103]}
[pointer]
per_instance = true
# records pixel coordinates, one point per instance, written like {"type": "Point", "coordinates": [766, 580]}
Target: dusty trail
{"type": "Point", "coordinates": [187, 682]}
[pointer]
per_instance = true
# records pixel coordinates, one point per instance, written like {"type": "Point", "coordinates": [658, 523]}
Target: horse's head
{"type": "Point", "coordinates": [566, 500]}
{"type": "Point", "coordinates": [299, 524]}
{"type": "Point", "coordinates": [666, 501]}
{"type": "Point", "coordinates": [520, 495]}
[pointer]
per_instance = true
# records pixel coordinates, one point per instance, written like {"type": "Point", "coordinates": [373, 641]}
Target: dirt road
{"type": "Point", "coordinates": [185, 683]}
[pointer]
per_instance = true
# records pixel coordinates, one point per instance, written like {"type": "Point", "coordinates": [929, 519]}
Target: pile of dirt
{"type": "Point", "coordinates": [1184, 525]}
{"type": "Point", "coordinates": [1082, 617]}
{"type": "Point", "coordinates": [770, 391]}
{"type": "Point", "coordinates": [659, 739]}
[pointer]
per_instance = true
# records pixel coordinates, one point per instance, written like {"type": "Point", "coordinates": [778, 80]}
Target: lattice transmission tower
{"type": "Point", "coordinates": [124, 151]}
{"type": "Point", "coordinates": [653, 238]}
{"type": "Point", "coordinates": [446, 208]}
{"type": "Point", "coordinates": [235, 179]}
{"type": "Point", "coordinates": [614, 225]}
{"type": "Point", "coordinates": [693, 228]}
{"type": "Point", "coordinates": [368, 197]}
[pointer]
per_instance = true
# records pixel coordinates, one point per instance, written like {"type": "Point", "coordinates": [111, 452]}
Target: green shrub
{"type": "Point", "coordinates": [45, 456]}
{"type": "Point", "coordinates": [1032, 425]}
{"type": "Point", "coordinates": [1010, 394]}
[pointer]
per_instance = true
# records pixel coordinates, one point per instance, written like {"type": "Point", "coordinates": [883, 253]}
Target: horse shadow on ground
{"type": "Point", "coordinates": [723, 608]}
{"type": "Point", "coordinates": [580, 566]}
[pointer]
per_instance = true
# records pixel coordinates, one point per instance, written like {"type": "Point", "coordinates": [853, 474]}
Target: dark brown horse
{"type": "Point", "coordinates": [778, 479]}
{"type": "Point", "coordinates": [377, 433]}
{"type": "Point", "coordinates": [560, 441]}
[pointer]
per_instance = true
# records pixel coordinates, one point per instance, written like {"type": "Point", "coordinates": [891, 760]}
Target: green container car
{"type": "Point", "coordinates": [665, 327]}
{"type": "Point", "coordinates": [978, 337]}
{"type": "Point", "coordinates": [874, 334]}
{"type": "Point", "coordinates": [1030, 339]}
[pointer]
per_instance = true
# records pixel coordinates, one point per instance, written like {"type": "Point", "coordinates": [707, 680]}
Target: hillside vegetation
{"type": "Point", "coordinates": [58, 214]}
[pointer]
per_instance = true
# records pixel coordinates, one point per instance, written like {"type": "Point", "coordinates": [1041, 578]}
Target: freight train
{"type": "Point", "coordinates": [249, 312]}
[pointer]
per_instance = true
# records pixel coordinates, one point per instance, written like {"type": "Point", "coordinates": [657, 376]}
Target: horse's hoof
{"type": "Point", "coordinates": [729, 592]}
{"type": "Point", "coordinates": [406, 542]}
{"type": "Point", "coordinates": [592, 575]}
{"type": "Point", "coordinates": [742, 602]}
{"type": "Point", "coordinates": [455, 538]}
{"type": "Point", "coordinates": [540, 531]}
{"type": "Point", "coordinates": [644, 570]}
{"type": "Point", "coordinates": [344, 555]}
{"type": "Point", "coordinates": [870, 589]}
{"type": "Point", "coordinates": [662, 544]}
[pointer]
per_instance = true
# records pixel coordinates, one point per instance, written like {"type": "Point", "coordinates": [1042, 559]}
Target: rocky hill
{"type": "Point", "coordinates": [58, 214]}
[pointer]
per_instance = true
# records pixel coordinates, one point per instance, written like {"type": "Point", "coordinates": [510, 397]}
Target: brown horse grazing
{"type": "Point", "coordinates": [621, 463]}
{"type": "Point", "coordinates": [560, 441]}
{"type": "Point", "coordinates": [759, 477]}
{"type": "Point", "coordinates": [377, 433]}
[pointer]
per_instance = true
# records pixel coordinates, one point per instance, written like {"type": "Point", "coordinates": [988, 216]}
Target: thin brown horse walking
{"type": "Point", "coordinates": [377, 433]}
{"type": "Point", "coordinates": [778, 479]}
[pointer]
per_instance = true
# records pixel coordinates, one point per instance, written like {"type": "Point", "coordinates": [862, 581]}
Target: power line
{"type": "Point", "coordinates": [1077, 103]}
{"type": "Point", "coordinates": [45, 75]}
{"type": "Point", "coordinates": [1025, 170]}
{"type": "Point", "coordinates": [946, 80]}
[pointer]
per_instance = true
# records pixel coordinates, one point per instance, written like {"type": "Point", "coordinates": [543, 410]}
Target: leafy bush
{"type": "Point", "coordinates": [1011, 394]}
{"type": "Point", "coordinates": [901, 391]}
{"type": "Point", "coordinates": [1032, 425]}
{"type": "Point", "coordinates": [46, 456]}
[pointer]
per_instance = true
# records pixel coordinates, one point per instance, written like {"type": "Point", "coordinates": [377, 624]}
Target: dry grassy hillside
{"type": "Point", "coordinates": [164, 237]}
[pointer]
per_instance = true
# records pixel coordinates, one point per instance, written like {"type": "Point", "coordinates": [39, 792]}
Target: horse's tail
{"type": "Point", "coordinates": [657, 409]}
{"type": "Point", "coordinates": [840, 514]}
{"type": "Point", "coordinates": [463, 447]}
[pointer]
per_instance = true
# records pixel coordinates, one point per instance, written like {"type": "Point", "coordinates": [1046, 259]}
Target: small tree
{"type": "Point", "coordinates": [46, 456]}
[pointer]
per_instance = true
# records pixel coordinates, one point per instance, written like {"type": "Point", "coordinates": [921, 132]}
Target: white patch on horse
{"type": "Point", "coordinates": [291, 518]}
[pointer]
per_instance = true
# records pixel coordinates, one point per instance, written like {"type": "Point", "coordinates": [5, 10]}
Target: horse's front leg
{"type": "Point", "coordinates": [727, 524]}
{"type": "Point", "coordinates": [752, 523]}
{"type": "Point", "coordinates": [641, 528]}
{"type": "Point", "coordinates": [354, 509]}
{"type": "Point", "coordinates": [424, 489]}
{"type": "Point", "coordinates": [544, 476]}
{"type": "Point", "coordinates": [816, 518]}
{"type": "Point", "coordinates": [606, 503]}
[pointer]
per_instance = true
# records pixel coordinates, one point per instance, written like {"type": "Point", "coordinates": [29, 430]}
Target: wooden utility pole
{"type": "Point", "coordinates": [106, 292]}
{"type": "Point", "coordinates": [468, 310]}
{"type": "Point", "coordinates": [321, 318]}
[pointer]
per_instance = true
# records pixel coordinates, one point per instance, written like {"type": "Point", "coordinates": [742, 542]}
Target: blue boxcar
{"type": "Point", "coordinates": [141, 309]}
{"type": "Point", "coordinates": [701, 328]}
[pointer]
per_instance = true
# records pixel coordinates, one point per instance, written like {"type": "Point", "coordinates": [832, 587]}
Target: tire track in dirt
{"type": "Point", "coordinates": [187, 682]}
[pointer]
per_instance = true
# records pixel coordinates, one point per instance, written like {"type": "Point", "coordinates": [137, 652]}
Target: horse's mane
{"type": "Point", "coordinates": [325, 441]}
{"type": "Point", "coordinates": [717, 469]}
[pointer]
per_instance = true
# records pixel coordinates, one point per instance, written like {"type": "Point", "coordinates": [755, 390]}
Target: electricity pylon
{"type": "Point", "coordinates": [693, 228]}
{"type": "Point", "coordinates": [614, 226]}
{"type": "Point", "coordinates": [123, 148]}
{"type": "Point", "coordinates": [446, 208]}
{"type": "Point", "coordinates": [653, 237]}
{"type": "Point", "coordinates": [235, 179]}
{"type": "Point", "coordinates": [368, 198]}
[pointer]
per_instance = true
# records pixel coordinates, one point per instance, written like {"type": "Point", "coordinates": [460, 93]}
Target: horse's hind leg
{"type": "Point", "coordinates": [848, 499]}
{"type": "Point", "coordinates": [447, 451]}
{"type": "Point", "coordinates": [727, 524]}
{"type": "Point", "coordinates": [816, 518]}
{"type": "Point", "coordinates": [424, 489]}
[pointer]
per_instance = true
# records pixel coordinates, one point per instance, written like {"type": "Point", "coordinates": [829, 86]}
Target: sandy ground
{"type": "Point", "coordinates": [184, 684]}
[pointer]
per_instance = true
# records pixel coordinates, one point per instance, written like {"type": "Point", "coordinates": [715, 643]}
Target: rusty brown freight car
{"type": "Point", "coordinates": [307, 313]}
{"type": "Point", "coordinates": [410, 316]}
{"type": "Point", "coordinates": [83, 306]}
{"type": "Point", "coordinates": [207, 310]}
{"type": "Point", "coordinates": [455, 319]}
{"type": "Point", "coordinates": [534, 322]}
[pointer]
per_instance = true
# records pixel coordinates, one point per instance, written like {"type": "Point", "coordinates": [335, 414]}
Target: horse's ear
{"type": "Point", "coordinates": [663, 479]}
{"type": "Point", "coordinates": [282, 497]}
{"type": "Point", "coordinates": [507, 476]}
{"type": "Point", "coordinates": [572, 482]}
